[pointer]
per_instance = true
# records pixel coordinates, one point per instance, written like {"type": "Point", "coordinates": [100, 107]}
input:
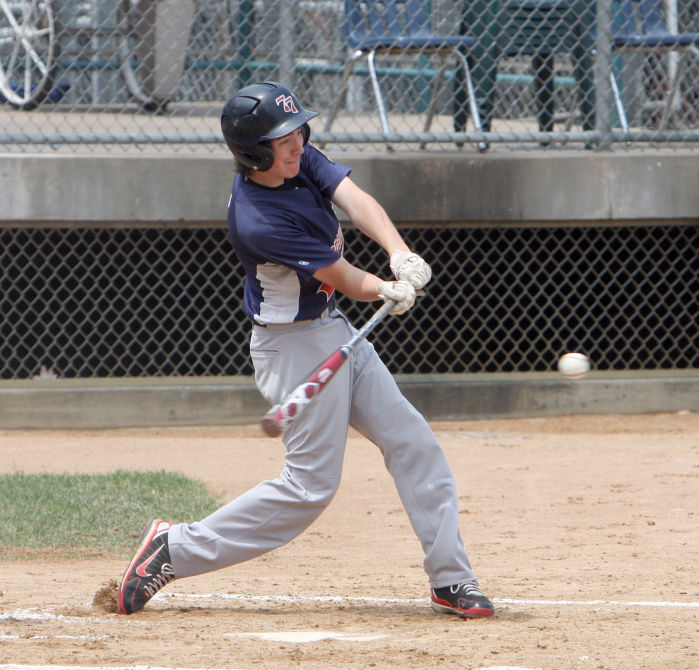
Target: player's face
{"type": "Point", "coordinates": [287, 156]}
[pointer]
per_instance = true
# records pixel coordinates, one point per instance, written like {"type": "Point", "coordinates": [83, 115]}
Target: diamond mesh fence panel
{"type": "Point", "coordinates": [87, 302]}
{"type": "Point", "coordinates": [154, 74]}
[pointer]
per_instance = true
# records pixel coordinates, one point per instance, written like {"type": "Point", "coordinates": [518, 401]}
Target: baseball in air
{"type": "Point", "coordinates": [574, 365]}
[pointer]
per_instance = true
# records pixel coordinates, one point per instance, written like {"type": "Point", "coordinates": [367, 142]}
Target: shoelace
{"type": "Point", "coordinates": [158, 581]}
{"type": "Point", "coordinates": [468, 589]}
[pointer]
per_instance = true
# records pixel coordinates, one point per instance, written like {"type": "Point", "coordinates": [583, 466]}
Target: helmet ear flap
{"type": "Point", "coordinates": [260, 161]}
{"type": "Point", "coordinates": [264, 158]}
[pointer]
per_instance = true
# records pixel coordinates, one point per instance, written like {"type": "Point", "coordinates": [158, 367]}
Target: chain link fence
{"type": "Point", "coordinates": [153, 74]}
{"type": "Point", "coordinates": [133, 302]}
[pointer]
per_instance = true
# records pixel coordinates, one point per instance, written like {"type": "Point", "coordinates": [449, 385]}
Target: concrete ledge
{"type": "Point", "coordinates": [548, 394]}
{"type": "Point", "coordinates": [117, 403]}
{"type": "Point", "coordinates": [414, 187]}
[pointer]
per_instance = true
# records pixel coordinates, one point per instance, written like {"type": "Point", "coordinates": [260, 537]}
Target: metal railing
{"type": "Point", "coordinates": [98, 75]}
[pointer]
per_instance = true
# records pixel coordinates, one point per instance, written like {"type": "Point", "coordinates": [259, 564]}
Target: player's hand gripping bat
{"type": "Point", "coordinates": [297, 400]}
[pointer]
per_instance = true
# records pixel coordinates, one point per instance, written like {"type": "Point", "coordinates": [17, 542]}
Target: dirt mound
{"type": "Point", "coordinates": [105, 599]}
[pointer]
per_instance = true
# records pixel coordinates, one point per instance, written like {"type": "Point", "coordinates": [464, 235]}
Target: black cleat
{"type": "Point", "coordinates": [149, 570]}
{"type": "Point", "coordinates": [465, 600]}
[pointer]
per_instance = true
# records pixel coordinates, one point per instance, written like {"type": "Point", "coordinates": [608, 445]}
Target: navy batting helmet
{"type": "Point", "coordinates": [257, 114]}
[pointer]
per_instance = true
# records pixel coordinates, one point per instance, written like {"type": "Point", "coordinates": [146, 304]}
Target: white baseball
{"type": "Point", "coordinates": [574, 365]}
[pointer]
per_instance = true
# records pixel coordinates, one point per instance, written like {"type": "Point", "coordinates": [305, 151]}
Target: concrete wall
{"type": "Point", "coordinates": [413, 187]}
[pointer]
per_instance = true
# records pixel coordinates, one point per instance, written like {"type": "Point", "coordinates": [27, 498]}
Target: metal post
{"type": "Point", "coordinates": [287, 16]}
{"type": "Point", "coordinates": [246, 17]}
{"type": "Point", "coordinates": [673, 26]}
{"type": "Point", "coordinates": [97, 43]}
{"type": "Point", "coordinates": [603, 71]}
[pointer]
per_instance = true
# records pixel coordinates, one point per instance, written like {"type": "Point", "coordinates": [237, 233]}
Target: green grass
{"type": "Point", "coordinates": [86, 515]}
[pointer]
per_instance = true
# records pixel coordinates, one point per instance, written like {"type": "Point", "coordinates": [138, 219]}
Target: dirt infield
{"type": "Point", "coordinates": [584, 530]}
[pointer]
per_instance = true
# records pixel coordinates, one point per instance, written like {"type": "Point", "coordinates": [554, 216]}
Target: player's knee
{"type": "Point", "coordinates": [310, 489]}
{"type": "Point", "coordinates": [321, 498]}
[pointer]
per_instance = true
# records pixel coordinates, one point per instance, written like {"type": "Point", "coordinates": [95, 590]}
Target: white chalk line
{"type": "Point", "coordinates": [595, 603]}
{"type": "Point", "coordinates": [416, 601]}
{"type": "Point", "coordinates": [36, 614]}
{"type": "Point", "coordinates": [90, 638]}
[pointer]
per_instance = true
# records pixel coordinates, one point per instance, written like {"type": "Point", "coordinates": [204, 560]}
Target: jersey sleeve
{"type": "Point", "coordinates": [325, 173]}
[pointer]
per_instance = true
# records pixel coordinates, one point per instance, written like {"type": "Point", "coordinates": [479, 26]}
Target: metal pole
{"type": "Point", "coordinates": [97, 43]}
{"type": "Point", "coordinates": [287, 16]}
{"type": "Point", "coordinates": [603, 71]}
{"type": "Point", "coordinates": [673, 26]}
{"type": "Point", "coordinates": [246, 16]}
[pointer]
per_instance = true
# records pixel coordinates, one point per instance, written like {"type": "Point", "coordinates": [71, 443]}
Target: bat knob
{"type": "Point", "coordinates": [270, 426]}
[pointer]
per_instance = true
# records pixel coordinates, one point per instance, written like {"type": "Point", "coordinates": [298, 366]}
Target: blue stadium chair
{"type": "Point", "coordinates": [640, 26]}
{"type": "Point", "coordinates": [400, 27]}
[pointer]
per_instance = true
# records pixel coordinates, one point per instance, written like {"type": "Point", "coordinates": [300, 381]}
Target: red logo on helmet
{"type": "Point", "coordinates": [288, 103]}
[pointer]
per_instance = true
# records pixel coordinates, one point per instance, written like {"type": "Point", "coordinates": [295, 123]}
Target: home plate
{"type": "Point", "coordinates": [310, 636]}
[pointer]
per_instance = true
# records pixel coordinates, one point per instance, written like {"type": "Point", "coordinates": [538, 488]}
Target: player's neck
{"type": "Point", "coordinates": [266, 179]}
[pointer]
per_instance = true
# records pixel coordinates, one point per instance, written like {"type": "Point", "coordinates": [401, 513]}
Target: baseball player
{"type": "Point", "coordinates": [286, 235]}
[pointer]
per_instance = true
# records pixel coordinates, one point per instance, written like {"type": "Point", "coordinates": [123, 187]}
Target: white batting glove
{"type": "Point", "coordinates": [402, 292]}
{"type": "Point", "coordinates": [410, 267]}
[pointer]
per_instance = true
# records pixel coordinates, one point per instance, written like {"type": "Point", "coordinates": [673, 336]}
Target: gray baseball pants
{"type": "Point", "coordinates": [363, 394]}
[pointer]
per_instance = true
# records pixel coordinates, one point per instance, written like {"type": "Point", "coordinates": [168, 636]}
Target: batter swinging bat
{"type": "Point", "coordinates": [297, 400]}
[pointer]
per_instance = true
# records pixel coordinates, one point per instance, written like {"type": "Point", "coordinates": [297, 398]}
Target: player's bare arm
{"type": "Point", "coordinates": [370, 218]}
{"type": "Point", "coordinates": [360, 285]}
{"type": "Point", "coordinates": [350, 280]}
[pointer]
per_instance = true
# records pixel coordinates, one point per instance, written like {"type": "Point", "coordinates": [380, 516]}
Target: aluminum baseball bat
{"type": "Point", "coordinates": [297, 401]}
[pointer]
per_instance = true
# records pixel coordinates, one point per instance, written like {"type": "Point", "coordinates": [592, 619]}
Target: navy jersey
{"type": "Point", "coordinates": [283, 235]}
